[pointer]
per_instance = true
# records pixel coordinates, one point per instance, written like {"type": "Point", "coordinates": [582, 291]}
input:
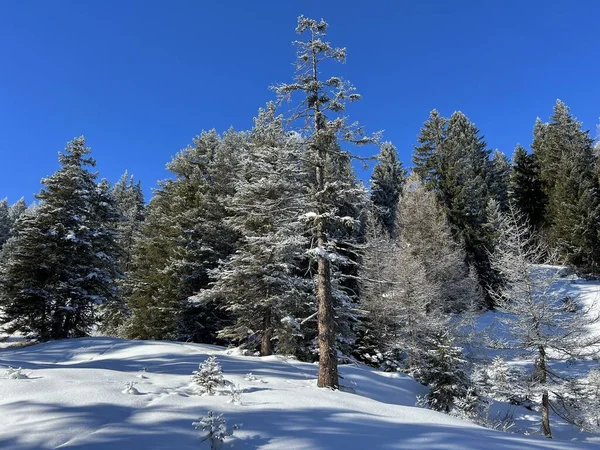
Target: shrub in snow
{"type": "Point", "coordinates": [235, 391]}
{"type": "Point", "coordinates": [15, 374]}
{"type": "Point", "coordinates": [208, 377]}
{"type": "Point", "coordinates": [215, 429]}
{"type": "Point", "coordinates": [130, 389]}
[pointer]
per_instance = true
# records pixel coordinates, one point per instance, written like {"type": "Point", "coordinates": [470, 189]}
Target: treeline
{"type": "Point", "coordinates": [266, 238]}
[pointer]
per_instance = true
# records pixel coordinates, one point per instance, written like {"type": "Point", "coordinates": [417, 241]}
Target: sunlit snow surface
{"type": "Point", "coordinates": [74, 397]}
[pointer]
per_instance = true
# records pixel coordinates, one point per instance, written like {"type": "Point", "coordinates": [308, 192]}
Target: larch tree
{"type": "Point", "coordinates": [537, 321]}
{"type": "Point", "coordinates": [320, 113]}
{"type": "Point", "coordinates": [387, 180]}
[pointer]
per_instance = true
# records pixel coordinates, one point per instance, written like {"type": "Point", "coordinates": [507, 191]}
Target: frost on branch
{"type": "Point", "coordinates": [215, 429]}
{"type": "Point", "coordinates": [208, 377]}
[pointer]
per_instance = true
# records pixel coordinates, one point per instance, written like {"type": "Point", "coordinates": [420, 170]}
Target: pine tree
{"type": "Point", "coordinates": [386, 185]}
{"type": "Point", "coordinates": [260, 284]}
{"type": "Point", "coordinates": [525, 191]}
{"type": "Point", "coordinates": [323, 103]}
{"type": "Point", "coordinates": [62, 264]}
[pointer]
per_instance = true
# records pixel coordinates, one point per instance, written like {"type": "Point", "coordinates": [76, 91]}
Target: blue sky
{"type": "Point", "coordinates": [140, 78]}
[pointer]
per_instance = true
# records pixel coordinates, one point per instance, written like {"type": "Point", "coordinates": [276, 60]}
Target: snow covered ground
{"type": "Point", "coordinates": [73, 398]}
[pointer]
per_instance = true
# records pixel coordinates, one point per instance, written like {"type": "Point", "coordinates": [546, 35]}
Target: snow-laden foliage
{"type": "Point", "coordinates": [214, 428]}
{"type": "Point", "coordinates": [62, 265]}
{"type": "Point", "coordinates": [535, 321]}
{"type": "Point", "coordinates": [209, 377]}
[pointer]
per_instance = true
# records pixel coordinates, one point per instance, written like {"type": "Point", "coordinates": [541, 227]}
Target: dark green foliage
{"type": "Point", "coordinates": [183, 238]}
{"type": "Point", "coordinates": [500, 171]}
{"type": "Point", "coordinates": [61, 264]}
{"type": "Point", "coordinates": [453, 162]}
{"type": "Point", "coordinates": [386, 184]}
{"type": "Point", "coordinates": [566, 159]}
{"type": "Point", "coordinates": [525, 189]}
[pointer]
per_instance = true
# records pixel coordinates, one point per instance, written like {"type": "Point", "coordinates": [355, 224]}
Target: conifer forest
{"type": "Point", "coordinates": [268, 241]}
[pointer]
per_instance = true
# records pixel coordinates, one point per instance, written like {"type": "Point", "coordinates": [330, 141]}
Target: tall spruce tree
{"type": "Point", "coordinates": [525, 188]}
{"type": "Point", "coordinates": [129, 201]}
{"type": "Point", "coordinates": [386, 184]}
{"type": "Point", "coordinates": [427, 156]}
{"type": "Point", "coordinates": [322, 106]}
{"type": "Point", "coordinates": [5, 222]}
{"type": "Point", "coordinates": [453, 161]}
{"type": "Point", "coordinates": [62, 264]}
{"type": "Point", "coordinates": [565, 154]}
{"type": "Point", "coordinates": [500, 171]}
{"type": "Point", "coordinates": [183, 238]}
{"type": "Point", "coordinates": [260, 284]}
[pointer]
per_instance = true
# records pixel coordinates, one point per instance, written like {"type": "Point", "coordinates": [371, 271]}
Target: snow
{"type": "Point", "coordinates": [73, 399]}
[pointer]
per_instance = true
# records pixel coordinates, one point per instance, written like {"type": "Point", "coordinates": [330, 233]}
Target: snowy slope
{"type": "Point", "coordinates": [73, 400]}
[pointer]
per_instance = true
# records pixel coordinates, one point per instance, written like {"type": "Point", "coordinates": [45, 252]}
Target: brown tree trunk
{"type": "Point", "coordinates": [328, 372]}
{"type": "Point", "coordinates": [266, 347]}
{"type": "Point", "coordinates": [545, 397]}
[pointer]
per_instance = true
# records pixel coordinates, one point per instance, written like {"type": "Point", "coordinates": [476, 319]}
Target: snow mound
{"type": "Point", "coordinates": [75, 401]}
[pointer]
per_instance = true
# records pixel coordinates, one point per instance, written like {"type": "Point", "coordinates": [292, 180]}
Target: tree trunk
{"type": "Point", "coordinates": [545, 397]}
{"type": "Point", "coordinates": [266, 348]}
{"type": "Point", "coordinates": [328, 373]}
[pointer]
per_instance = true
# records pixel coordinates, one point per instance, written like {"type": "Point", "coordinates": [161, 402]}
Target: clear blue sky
{"type": "Point", "coordinates": [140, 78]}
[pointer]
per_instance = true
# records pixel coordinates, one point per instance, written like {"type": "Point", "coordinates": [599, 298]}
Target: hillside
{"type": "Point", "coordinates": [72, 398]}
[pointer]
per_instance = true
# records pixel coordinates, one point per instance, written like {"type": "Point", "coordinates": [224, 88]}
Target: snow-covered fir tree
{"type": "Point", "coordinates": [261, 284]}
{"type": "Point", "coordinates": [214, 428]}
{"type": "Point", "coordinates": [209, 376]}
{"type": "Point", "coordinates": [63, 261]}
{"type": "Point", "coordinates": [500, 171]}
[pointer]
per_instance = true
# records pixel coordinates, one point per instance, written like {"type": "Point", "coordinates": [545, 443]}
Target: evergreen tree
{"type": "Point", "coordinates": [62, 261]}
{"type": "Point", "coordinates": [567, 164]}
{"type": "Point", "coordinates": [386, 184]}
{"type": "Point", "coordinates": [5, 222]}
{"type": "Point", "coordinates": [129, 201]}
{"type": "Point", "coordinates": [525, 191]}
{"type": "Point", "coordinates": [427, 157]}
{"type": "Point", "coordinates": [16, 209]}
{"type": "Point", "coordinates": [500, 178]}
{"type": "Point", "coordinates": [183, 238]}
{"type": "Point", "coordinates": [323, 105]}
{"type": "Point", "coordinates": [260, 284]}
{"type": "Point", "coordinates": [453, 162]}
